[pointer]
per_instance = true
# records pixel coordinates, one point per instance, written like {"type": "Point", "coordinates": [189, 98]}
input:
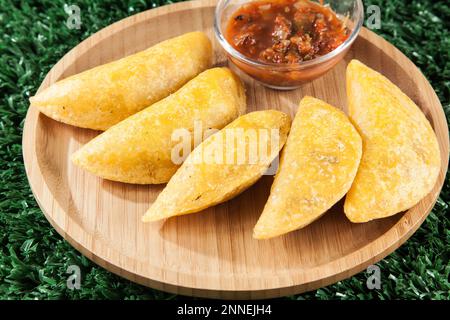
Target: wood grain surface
{"type": "Point", "coordinates": [213, 254]}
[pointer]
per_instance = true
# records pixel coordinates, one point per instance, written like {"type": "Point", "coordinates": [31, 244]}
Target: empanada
{"type": "Point", "coordinates": [317, 167]}
{"type": "Point", "coordinates": [139, 149]}
{"type": "Point", "coordinates": [105, 95]}
{"type": "Point", "coordinates": [224, 165]}
{"type": "Point", "coordinates": [401, 159]}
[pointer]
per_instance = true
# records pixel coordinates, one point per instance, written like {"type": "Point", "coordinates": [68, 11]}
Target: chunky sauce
{"type": "Point", "coordinates": [285, 31]}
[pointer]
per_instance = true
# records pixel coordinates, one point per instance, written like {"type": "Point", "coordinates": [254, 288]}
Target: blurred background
{"type": "Point", "coordinates": [34, 259]}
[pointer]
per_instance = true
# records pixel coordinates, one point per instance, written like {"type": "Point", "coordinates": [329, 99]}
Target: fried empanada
{"type": "Point", "coordinates": [401, 158]}
{"type": "Point", "coordinates": [139, 149]}
{"type": "Point", "coordinates": [224, 165]}
{"type": "Point", "coordinates": [317, 167]}
{"type": "Point", "coordinates": [105, 95]}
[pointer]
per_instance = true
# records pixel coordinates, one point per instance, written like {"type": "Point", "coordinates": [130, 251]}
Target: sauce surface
{"type": "Point", "coordinates": [285, 31]}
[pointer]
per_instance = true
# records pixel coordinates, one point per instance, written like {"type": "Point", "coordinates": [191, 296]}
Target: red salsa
{"type": "Point", "coordinates": [285, 31]}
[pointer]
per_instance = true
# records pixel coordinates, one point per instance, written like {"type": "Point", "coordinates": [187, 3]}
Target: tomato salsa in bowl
{"type": "Point", "coordinates": [285, 43]}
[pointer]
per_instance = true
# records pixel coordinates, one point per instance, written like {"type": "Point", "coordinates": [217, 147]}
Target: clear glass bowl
{"type": "Point", "coordinates": [289, 76]}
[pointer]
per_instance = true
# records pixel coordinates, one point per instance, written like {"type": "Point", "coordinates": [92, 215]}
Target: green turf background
{"type": "Point", "coordinates": [34, 258]}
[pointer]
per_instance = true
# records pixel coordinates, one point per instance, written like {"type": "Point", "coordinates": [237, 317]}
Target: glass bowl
{"type": "Point", "coordinates": [289, 76]}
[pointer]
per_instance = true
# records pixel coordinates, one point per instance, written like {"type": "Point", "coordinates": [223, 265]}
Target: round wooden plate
{"type": "Point", "coordinates": [213, 254]}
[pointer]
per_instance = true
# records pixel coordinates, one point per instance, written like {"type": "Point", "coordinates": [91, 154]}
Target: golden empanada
{"type": "Point", "coordinates": [105, 95]}
{"type": "Point", "coordinates": [139, 149]}
{"type": "Point", "coordinates": [401, 159]}
{"type": "Point", "coordinates": [224, 165]}
{"type": "Point", "coordinates": [317, 167]}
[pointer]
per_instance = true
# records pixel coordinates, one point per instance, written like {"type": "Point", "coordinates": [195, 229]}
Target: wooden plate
{"type": "Point", "coordinates": [212, 254]}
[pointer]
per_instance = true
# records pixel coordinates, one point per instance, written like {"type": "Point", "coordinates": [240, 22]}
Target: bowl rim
{"type": "Point", "coordinates": [294, 66]}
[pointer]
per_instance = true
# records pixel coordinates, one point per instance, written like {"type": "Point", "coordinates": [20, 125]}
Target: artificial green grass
{"type": "Point", "coordinates": [34, 258]}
